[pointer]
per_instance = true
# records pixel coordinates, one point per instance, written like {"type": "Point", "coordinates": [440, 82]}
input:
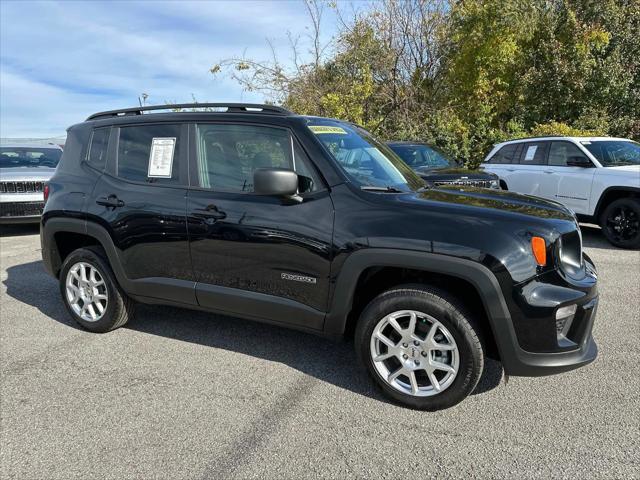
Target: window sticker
{"type": "Point", "coordinates": [531, 152]}
{"type": "Point", "coordinates": [320, 129]}
{"type": "Point", "coordinates": [585, 142]}
{"type": "Point", "coordinates": [161, 157]}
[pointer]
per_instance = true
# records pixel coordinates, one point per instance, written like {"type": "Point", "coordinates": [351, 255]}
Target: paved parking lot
{"type": "Point", "coordinates": [182, 394]}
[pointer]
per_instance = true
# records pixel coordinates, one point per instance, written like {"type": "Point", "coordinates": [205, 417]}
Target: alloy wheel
{"type": "Point", "coordinates": [623, 224]}
{"type": "Point", "coordinates": [86, 291]}
{"type": "Point", "coordinates": [414, 353]}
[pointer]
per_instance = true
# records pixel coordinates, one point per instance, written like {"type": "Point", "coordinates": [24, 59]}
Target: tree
{"type": "Point", "coordinates": [463, 74]}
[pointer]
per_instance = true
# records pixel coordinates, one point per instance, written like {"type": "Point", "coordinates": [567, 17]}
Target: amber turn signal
{"type": "Point", "coordinates": [539, 248]}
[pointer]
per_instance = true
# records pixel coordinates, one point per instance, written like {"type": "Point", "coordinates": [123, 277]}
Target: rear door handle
{"type": "Point", "coordinates": [548, 171]}
{"type": "Point", "coordinates": [111, 201]}
{"type": "Point", "coordinates": [211, 211]}
{"type": "Point", "coordinates": [511, 169]}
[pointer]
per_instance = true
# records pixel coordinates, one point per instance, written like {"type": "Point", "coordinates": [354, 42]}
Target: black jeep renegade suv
{"type": "Point", "coordinates": [311, 223]}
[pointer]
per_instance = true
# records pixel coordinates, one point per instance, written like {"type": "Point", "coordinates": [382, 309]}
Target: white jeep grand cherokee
{"type": "Point", "coordinates": [596, 177]}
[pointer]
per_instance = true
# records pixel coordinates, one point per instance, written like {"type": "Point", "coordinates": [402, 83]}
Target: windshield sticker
{"type": "Point", "coordinates": [320, 129]}
{"type": "Point", "coordinates": [531, 152]}
{"type": "Point", "coordinates": [161, 157]}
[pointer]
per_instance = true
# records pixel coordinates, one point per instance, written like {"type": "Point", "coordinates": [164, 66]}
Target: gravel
{"type": "Point", "coordinates": [183, 394]}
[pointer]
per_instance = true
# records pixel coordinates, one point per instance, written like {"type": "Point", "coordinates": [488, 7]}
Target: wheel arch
{"type": "Point", "coordinates": [611, 194]}
{"type": "Point", "coordinates": [60, 236]}
{"type": "Point", "coordinates": [360, 266]}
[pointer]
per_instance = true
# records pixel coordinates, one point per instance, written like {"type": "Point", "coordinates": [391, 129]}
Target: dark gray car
{"type": "Point", "coordinates": [437, 168]}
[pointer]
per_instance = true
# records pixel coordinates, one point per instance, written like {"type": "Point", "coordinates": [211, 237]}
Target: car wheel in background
{"type": "Point", "coordinates": [620, 222]}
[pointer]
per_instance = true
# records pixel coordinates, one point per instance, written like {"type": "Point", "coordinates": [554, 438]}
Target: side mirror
{"type": "Point", "coordinates": [578, 161]}
{"type": "Point", "coordinates": [279, 182]}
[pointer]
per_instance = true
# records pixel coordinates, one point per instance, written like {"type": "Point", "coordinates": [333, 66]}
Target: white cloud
{"type": "Point", "coordinates": [61, 61]}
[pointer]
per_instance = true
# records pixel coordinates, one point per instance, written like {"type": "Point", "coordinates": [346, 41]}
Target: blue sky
{"type": "Point", "coordinates": [61, 61]}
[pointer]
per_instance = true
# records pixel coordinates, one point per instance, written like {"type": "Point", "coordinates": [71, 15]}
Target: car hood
{"type": "Point", "coordinates": [450, 173]}
{"type": "Point", "coordinates": [496, 201]}
{"type": "Point", "coordinates": [26, 174]}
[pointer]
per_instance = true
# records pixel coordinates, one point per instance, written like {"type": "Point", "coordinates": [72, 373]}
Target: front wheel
{"type": "Point", "coordinates": [420, 346]}
{"type": "Point", "coordinates": [620, 223]}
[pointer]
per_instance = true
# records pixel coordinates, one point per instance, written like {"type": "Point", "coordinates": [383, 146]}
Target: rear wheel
{"type": "Point", "coordinates": [620, 223]}
{"type": "Point", "coordinates": [90, 292]}
{"type": "Point", "coordinates": [420, 346]}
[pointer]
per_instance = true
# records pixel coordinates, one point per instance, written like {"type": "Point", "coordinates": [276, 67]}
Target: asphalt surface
{"type": "Point", "coordinates": [182, 394]}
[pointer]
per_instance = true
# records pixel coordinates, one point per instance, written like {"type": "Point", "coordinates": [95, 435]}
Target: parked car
{"type": "Point", "coordinates": [310, 223]}
{"type": "Point", "coordinates": [437, 168]}
{"type": "Point", "coordinates": [24, 169]}
{"type": "Point", "coordinates": [596, 177]}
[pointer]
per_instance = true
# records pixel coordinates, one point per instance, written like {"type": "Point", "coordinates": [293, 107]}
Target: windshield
{"type": "Point", "coordinates": [422, 156]}
{"type": "Point", "coordinates": [614, 153]}
{"type": "Point", "coordinates": [367, 162]}
{"type": "Point", "coordinates": [29, 157]}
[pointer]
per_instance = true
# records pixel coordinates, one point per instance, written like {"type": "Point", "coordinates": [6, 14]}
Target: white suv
{"type": "Point", "coordinates": [596, 177]}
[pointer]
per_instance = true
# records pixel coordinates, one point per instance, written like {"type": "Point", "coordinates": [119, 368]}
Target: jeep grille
{"type": "Point", "coordinates": [21, 187]}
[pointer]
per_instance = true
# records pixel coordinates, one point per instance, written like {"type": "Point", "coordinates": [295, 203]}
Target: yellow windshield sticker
{"type": "Point", "coordinates": [319, 129]}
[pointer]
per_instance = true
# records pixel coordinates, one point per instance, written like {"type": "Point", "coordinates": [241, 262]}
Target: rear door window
{"type": "Point", "coordinates": [534, 153]}
{"type": "Point", "coordinates": [150, 154]}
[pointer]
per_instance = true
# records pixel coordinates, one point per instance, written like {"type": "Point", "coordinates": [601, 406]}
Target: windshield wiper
{"type": "Point", "coordinates": [387, 189]}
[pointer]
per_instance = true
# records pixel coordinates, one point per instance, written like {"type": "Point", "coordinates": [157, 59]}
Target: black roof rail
{"type": "Point", "coordinates": [230, 108]}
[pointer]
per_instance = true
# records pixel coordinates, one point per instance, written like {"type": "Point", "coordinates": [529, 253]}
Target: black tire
{"type": "Point", "coordinates": [119, 308]}
{"type": "Point", "coordinates": [446, 310]}
{"type": "Point", "coordinates": [622, 231]}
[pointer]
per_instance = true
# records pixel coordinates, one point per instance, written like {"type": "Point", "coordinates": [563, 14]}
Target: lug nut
{"type": "Point", "coordinates": [416, 343]}
{"type": "Point", "coordinates": [417, 362]}
{"type": "Point", "coordinates": [405, 345]}
{"type": "Point", "coordinates": [424, 354]}
{"type": "Point", "coordinates": [405, 356]}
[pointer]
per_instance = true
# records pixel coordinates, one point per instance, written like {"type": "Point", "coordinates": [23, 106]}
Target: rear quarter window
{"type": "Point", "coordinates": [506, 155]}
{"type": "Point", "coordinates": [97, 154]}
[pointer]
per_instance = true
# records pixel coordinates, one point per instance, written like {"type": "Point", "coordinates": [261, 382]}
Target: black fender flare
{"type": "Point", "coordinates": [75, 225]}
{"type": "Point", "coordinates": [476, 274]}
{"type": "Point", "coordinates": [601, 205]}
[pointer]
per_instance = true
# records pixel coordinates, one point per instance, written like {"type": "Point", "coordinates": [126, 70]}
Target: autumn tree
{"type": "Point", "coordinates": [462, 75]}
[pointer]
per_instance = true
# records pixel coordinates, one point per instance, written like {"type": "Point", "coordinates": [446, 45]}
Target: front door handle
{"type": "Point", "coordinates": [511, 169]}
{"type": "Point", "coordinates": [111, 201]}
{"type": "Point", "coordinates": [211, 211]}
{"type": "Point", "coordinates": [548, 171]}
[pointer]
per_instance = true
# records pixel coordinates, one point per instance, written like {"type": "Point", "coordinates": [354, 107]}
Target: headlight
{"type": "Point", "coordinates": [495, 184]}
{"type": "Point", "coordinates": [570, 252]}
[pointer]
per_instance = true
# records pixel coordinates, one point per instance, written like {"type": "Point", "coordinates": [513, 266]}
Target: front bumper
{"type": "Point", "coordinates": [536, 343]}
{"type": "Point", "coordinates": [21, 212]}
{"type": "Point", "coordinates": [534, 364]}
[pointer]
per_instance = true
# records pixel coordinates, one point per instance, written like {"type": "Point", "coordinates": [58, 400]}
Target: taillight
{"type": "Point", "coordinates": [45, 192]}
{"type": "Point", "coordinates": [539, 248]}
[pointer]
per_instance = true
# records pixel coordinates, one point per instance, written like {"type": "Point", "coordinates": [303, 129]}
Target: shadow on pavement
{"type": "Point", "coordinates": [20, 229]}
{"type": "Point", "coordinates": [592, 237]}
{"type": "Point", "coordinates": [321, 358]}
